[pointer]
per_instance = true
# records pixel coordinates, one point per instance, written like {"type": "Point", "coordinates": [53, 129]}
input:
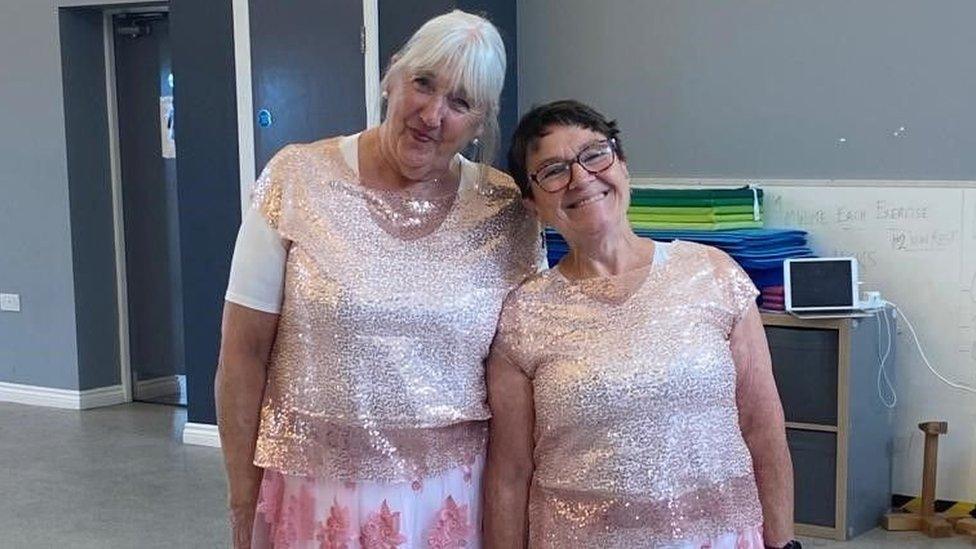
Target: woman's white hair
{"type": "Point", "coordinates": [468, 51]}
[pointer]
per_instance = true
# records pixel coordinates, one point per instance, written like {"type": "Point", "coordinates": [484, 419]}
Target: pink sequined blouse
{"type": "Point", "coordinates": [390, 304]}
{"type": "Point", "coordinates": [637, 440]}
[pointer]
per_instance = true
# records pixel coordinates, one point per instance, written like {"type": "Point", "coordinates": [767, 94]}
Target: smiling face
{"type": "Point", "coordinates": [426, 124]}
{"type": "Point", "coordinates": [591, 205]}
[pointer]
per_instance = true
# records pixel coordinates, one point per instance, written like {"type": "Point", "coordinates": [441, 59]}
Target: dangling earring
{"type": "Point", "coordinates": [385, 94]}
{"type": "Point", "coordinates": [473, 150]}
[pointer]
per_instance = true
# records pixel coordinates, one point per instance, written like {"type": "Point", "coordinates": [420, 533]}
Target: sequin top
{"type": "Point", "coordinates": [637, 440]}
{"type": "Point", "coordinates": [390, 304]}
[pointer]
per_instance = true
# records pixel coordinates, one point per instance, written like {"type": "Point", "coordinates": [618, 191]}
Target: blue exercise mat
{"type": "Point", "coordinates": [760, 252]}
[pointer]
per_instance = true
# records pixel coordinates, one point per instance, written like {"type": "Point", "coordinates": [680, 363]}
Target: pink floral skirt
{"type": "Point", "coordinates": [302, 512]}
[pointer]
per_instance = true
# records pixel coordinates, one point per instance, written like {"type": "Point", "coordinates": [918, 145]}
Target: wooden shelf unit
{"type": "Point", "coordinates": [838, 430]}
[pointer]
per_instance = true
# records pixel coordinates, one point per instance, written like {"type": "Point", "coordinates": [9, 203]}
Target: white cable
{"type": "Point", "coordinates": [891, 341]}
{"type": "Point", "coordinates": [960, 386]}
{"type": "Point", "coordinates": [882, 373]}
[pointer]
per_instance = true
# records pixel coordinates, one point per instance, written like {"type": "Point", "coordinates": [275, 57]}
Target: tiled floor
{"type": "Point", "coordinates": [894, 540]}
{"type": "Point", "coordinates": [107, 478]}
{"type": "Point", "coordinates": [119, 477]}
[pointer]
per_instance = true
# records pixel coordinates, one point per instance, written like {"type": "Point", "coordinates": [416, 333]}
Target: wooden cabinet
{"type": "Point", "coordinates": [838, 430]}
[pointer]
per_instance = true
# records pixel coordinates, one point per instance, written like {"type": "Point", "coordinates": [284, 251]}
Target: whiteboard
{"type": "Point", "coordinates": [918, 247]}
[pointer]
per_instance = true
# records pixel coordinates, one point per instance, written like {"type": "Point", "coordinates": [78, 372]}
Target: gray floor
{"type": "Point", "coordinates": [120, 477]}
{"type": "Point", "coordinates": [894, 540]}
{"type": "Point", "coordinates": [106, 478]}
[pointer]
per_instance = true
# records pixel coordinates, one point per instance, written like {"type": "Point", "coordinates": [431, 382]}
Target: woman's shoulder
{"type": "Point", "coordinates": [499, 179]}
{"type": "Point", "coordinates": [685, 250]}
{"type": "Point", "coordinates": [521, 306]}
{"type": "Point", "coordinates": [533, 289]}
{"type": "Point", "coordinates": [719, 259]}
{"type": "Point", "coordinates": [702, 258]}
{"type": "Point", "coordinates": [295, 162]}
{"type": "Point", "coordinates": [289, 167]}
{"type": "Point", "coordinates": [490, 181]}
{"type": "Point", "coordinates": [299, 151]}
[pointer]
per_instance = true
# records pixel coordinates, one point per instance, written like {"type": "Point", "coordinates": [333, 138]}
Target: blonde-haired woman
{"type": "Point", "coordinates": [364, 293]}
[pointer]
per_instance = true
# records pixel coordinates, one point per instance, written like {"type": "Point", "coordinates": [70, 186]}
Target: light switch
{"type": "Point", "coordinates": [10, 302]}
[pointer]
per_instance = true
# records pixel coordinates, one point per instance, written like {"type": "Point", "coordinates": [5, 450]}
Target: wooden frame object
{"type": "Point", "coordinates": [926, 519]}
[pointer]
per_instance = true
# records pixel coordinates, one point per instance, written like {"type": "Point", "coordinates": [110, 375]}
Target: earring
{"type": "Point", "coordinates": [385, 94]}
{"type": "Point", "coordinates": [475, 149]}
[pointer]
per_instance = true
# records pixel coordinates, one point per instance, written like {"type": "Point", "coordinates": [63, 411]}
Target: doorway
{"type": "Point", "coordinates": [144, 85]}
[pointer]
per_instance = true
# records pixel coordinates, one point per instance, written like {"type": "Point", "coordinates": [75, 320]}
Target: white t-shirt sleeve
{"type": "Point", "coordinates": [257, 272]}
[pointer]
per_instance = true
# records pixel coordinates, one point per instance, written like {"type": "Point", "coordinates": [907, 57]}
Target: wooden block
{"type": "Point", "coordinates": [934, 427]}
{"type": "Point", "coordinates": [936, 527]}
{"type": "Point", "coordinates": [966, 526]}
{"type": "Point", "coordinates": [897, 521]}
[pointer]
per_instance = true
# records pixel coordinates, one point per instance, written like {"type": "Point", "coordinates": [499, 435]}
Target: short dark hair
{"type": "Point", "coordinates": [536, 124]}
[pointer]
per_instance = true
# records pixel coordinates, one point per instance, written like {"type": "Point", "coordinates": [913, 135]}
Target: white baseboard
{"type": "Point", "coordinates": [61, 398]}
{"type": "Point", "coordinates": [201, 434]}
{"type": "Point", "coordinates": [103, 396]}
{"type": "Point", "coordinates": [157, 387]}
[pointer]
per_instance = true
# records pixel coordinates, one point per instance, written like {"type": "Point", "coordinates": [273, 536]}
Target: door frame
{"type": "Point", "coordinates": [245, 131]}
{"type": "Point", "coordinates": [245, 97]}
{"type": "Point", "coordinates": [115, 163]}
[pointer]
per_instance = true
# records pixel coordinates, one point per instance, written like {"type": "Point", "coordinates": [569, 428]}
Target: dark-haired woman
{"type": "Point", "coordinates": [631, 387]}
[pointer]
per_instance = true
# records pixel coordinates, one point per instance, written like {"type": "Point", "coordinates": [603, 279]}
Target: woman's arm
{"type": "Point", "coordinates": [762, 424]}
{"type": "Point", "coordinates": [509, 469]}
{"type": "Point", "coordinates": [246, 339]}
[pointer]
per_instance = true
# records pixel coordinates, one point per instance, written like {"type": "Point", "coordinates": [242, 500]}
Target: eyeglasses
{"type": "Point", "coordinates": [595, 158]}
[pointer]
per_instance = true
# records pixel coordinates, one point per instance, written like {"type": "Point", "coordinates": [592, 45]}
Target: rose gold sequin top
{"type": "Point", "coordinates": [637, 440]}
{"type": "Point", "coordinates": [390, 304]}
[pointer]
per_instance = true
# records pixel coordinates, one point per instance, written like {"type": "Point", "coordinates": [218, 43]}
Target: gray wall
{"type": "Point", "coordinates": [90, 197]}
{"type": "Point", "coordinates": [398, 20]}
{"type": "Point", "coordinates": [37, 345]}
{"type": "Point", "coordinates": [762, 88]}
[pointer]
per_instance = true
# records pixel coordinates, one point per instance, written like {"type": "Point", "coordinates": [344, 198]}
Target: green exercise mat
{"type": "Point", "coordinates": [694, 210]}
{"type": "Point", "coordinates": [697, 226]}
{"type": "Point", "coordinates": [692, 218]}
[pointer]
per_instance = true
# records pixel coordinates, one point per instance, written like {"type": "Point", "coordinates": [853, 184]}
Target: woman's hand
{"type": "Point", "coordinates": [246, 339]}
{"type": "Point", "coordinates": [509, 469]}
{"type": "Point", "coordinates": [763, 427]}
{"type": "Point", "coordinates": [241, 524]}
